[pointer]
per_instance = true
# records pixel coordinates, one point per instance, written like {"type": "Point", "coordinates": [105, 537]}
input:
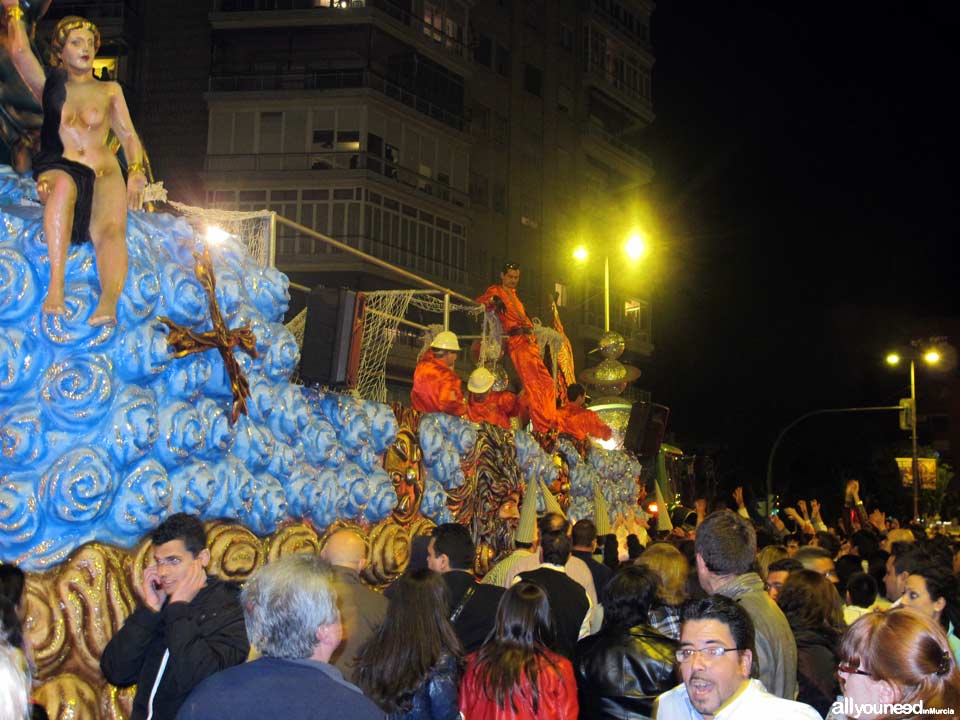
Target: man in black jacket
{"type": "Point", "coordinates": [473, 606]}
{"type": "Point", "coordinates": [189, 626]}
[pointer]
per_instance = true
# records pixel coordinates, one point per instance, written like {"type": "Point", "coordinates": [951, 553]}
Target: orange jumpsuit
{"type": "Point", "coordinates": [496, 408]}
{"type": "Point", "coordinates": [436, 388]}
{"type": "Point", "coordinates": [580, 422]}
{"type": "Point", "coordinates": [525, 356]}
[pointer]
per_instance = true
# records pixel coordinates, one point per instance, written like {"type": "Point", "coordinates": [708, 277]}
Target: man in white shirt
{"type": "Point", "coordinates": [715, 657]}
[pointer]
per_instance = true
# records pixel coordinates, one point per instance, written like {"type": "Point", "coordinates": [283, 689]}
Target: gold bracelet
{"type": "Point", "coordinates": [135, 169]}
{"type": "Point", "coordinates": [14, 13]}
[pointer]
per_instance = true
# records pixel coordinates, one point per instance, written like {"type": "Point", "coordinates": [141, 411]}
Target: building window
{"type": "Point", "coordinates": [560, 292]}
{"type": "Point", "coordinates": [500, 198]}
{"type": "Point", "coordinates": [483, 53]}
{"type": "Point", "coordinates": [637, 319]}
{"type": "Point", "coordinates": [323, 139]}
{"type": "Point", "coordinates": [480, 121]}
{"type": "Point", "coordinates": [533, 80]}
{"type": "Point", "coordinates": [564, 99]}
{"type": "Point", "coordinates": [566, 38]}
{"type": "Point", "coordinates": [503, 61]}
{"type": "Point", "coordinates": [479, 189]}
{"type": "Point", "coordinates": [501, 129]}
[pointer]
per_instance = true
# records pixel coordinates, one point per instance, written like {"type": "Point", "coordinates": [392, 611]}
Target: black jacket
{"type": "Point", "coordinates": [817, 658]}
{"type": "Point", "coordinates": [600, 573]}
{"type": "Point", "coordinates": [620, 672]}
{"type": "Point", "coordinates": [569, 605]}
{"type": "Point", "coordinates": [479, 613]}
{"type": "Point", "coordinates": [204, 637]}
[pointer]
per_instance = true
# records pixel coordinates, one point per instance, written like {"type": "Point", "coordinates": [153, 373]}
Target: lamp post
{"type": "Point", "coordinates": [931, 357]}
{"type": "Point", "coordinates": [635, 248]}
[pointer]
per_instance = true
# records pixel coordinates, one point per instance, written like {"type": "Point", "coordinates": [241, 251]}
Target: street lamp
{"type": "Point", "coordinates": [635, 248]}
{"type": "Point", "coordinates": [930, 357]}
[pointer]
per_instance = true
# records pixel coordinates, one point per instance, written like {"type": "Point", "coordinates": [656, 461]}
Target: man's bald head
{"type": "Point", "coordinates": [345, 548]}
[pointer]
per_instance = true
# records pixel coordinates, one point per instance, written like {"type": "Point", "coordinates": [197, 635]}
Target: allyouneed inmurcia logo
{"type": "Point", "coordinates": [851, 709]}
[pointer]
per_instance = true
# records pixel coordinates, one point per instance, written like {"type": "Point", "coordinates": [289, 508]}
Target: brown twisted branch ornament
{"type": "Point", "coordinates": [185, 341]}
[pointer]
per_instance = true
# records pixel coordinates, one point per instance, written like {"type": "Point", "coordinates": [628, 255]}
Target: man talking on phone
{"type": "Point", "coordinates": [188, 626]}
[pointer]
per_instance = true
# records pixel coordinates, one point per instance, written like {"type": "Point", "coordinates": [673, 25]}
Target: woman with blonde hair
{"type": "Point", "coordinates": [672, 568]}
{"type": "Point", "coordinates": [897, 657]}
{"type": "Point", "coordinates": [767, 556]}
{"type": "Point", "coordinates": [79, 179]}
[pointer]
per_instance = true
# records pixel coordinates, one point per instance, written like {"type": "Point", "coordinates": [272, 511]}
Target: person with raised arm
{"type": "Point", "coordinates": [79, 179]}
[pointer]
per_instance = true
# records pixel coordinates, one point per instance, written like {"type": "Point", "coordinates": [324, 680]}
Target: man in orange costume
{"type": "Point", "coordinates": [580, 421]}
{"type": "Point", "coordinates": [486, 405]}
{"type": "Point", "coordinates": [436, 387]}
{"type": "Point", "coordinates": [502, 299]}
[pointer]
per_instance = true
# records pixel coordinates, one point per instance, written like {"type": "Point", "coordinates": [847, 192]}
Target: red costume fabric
{"type": "Point", "coordinates": [580, 422]}
{"type": "Point", "coordinates": [557, 686]}
{"type": "Point", "coordinates": [496, 408]}
{"type": "Point", "coordinates": [525, 356]}
{"type": "Point", "coordinates": [436, 388]}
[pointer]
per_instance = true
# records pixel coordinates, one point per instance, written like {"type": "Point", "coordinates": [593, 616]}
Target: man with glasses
{"type": "Point", "coordinates": [541, 394]}
{"type": "Point", "coordinates": [715, 658]}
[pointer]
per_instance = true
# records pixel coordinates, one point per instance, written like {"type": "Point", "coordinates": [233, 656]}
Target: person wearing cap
{"type": "Point", "coordinates": [487, 405]}
{"type": "Point", "coordinates": [524, 540]}
{"type": "Point", "coordinates": [502, 300]}
{"type": "Point", "coordinates": [577, 420]}
{"type": "Point", "coordinates": [436, 387]}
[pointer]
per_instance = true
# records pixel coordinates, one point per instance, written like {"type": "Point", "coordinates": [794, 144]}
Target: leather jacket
{"type": "Point", "coordinates": [436, 698]}
{"type": "Point", "coordinates": [621, 672]}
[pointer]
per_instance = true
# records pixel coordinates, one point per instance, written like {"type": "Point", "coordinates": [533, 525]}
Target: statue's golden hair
{"type": "Point", "coordinates": [63, 29]}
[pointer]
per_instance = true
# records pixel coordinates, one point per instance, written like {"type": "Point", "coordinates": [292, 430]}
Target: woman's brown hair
{"type": "Point", "coordinates": [907, 650]}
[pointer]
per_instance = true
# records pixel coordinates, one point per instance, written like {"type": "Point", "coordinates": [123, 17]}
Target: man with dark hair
{"type": "Point", "coordinates": [902, 560]}
{"type": "Point", "coordinates": [290, 608]}
{"type": "Point", "coordinates": [569, 603]}
{"type": "Point", "coordinates": [717, 641]}
{"type": "Point", "coordinates": [777, 575]}
{"type": "Point", "coordinates": [576, 419]}
{"type": "Point", "coordinates": [861, 597]}
{"type": "Point", "coordinates": [584, 539]}
{"type": "Point", "coordinates": [188, 627]}
{"type": "Point", "coordinates": [575, 568]}
{"type": "Point", "coordinates": [726, 546]}
{"type": "Point", "coordinates": [473, 605]}
{"type": "Point", "coordinates": [818, 560]}
{"type": "Point", "coordinates": [502, 300]}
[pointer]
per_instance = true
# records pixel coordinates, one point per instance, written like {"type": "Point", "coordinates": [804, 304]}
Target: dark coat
{"type": "Point", "coordinates": [620, 672]}
{"type": "Point", "coordinates": [601, 573]}
{"type": "Point", "coordinates": [437, 698]}
{"type": "Point", "coordinates": [817, 658]}
{"type": "Point", "coordinates": [204, 636]}
{"type": "Point", "coordinates": [569, 605]}
{"type": "Point", "coordinates": [477, 617]}
{"type": "Point", "coordinates": [282, 689]}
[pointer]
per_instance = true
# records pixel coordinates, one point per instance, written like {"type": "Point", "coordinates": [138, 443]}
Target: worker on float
{"type": "Point", "coordinates": [436, 387]}
{"type": "Point", "coordinates": [486, 404]}
{"type": "Point", "coordinates": [580, 421]}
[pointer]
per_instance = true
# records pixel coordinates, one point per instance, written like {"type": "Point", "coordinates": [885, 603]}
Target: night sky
{"type": "Point", "coordinates": [805, 158]}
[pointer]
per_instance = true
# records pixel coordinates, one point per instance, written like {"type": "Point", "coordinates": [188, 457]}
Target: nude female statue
{"type": "Point", "coordinates": [78, 176]}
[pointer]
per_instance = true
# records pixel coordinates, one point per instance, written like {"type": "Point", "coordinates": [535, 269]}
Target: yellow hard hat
{"type": "Point", "coordinates": [445, 340]}
{"type": "Point", "coordinates": [480, 381]}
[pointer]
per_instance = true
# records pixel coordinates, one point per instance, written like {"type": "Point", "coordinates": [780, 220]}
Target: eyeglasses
{"type": "Point", "coordinates": [510, 266]}
{"type": "Point", "coordinates": [851, 670]}
{"type": "Point", "coordinates": [686, 654]}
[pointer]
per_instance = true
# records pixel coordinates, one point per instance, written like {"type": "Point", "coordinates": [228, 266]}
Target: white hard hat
{"type": "Point", "coordinates": [480, 381]}
{"type": "Point", "coordinates": [445, 340]}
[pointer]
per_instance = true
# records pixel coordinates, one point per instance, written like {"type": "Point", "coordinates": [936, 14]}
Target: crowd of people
{"type": "Point", "coordinates": [729, 618]}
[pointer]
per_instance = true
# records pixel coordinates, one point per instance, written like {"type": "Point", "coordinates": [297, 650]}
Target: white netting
{"type": "Point", "coordinates": [251, 228]}
{"type": "Point", "coordinates": [381, 318]}
{"type": "Point", "coordinates": [383, 312]}
{"type": "Point", "coordinates": [298, 326]}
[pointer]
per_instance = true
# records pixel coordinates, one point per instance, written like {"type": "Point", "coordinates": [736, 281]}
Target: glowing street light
{"type": "Point", "coordinates": [635, 248]}
{"type": "Point", "coordinates": [930, 357]}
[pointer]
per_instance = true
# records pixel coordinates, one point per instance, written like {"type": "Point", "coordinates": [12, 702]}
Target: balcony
{"type": "Point", "coordinates": [613, 151]}
{"type": "Point", "coordinates": [335, 80]}
{"type": "Point", "coordinates": [637, 33]}
{"type": "Point", "coordinates": [597, 76]}
{"type": "Point", "coordinates": [392, 17]}
{"type": "Point", "coordinates": [330, 162]}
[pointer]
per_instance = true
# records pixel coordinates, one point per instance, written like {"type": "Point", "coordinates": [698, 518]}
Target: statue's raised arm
{"type": "Point", "coordinates": [79, 179]}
